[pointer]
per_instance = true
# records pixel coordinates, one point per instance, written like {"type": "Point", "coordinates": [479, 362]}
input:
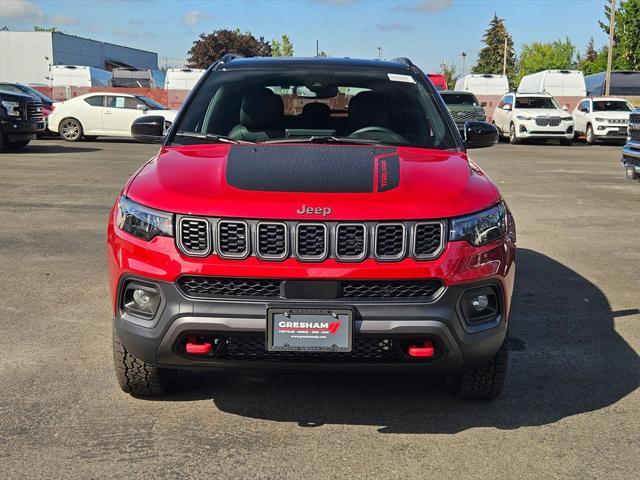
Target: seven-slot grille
{"type": "Point", "coordinates": [270, 288]}
{"type": "Point", "coordinates": [310, 241]}
{"type": "Point", "coordinates": [547, 121]}
{"type": "Point", "coordinates": [34, 111]}
{"type": "Point", "coordinates": [233, 239]}
{"type": "Point", "coordinates": [194, 237]}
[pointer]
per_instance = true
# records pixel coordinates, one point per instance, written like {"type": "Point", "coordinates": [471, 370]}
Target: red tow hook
{"type": "Point", "coordinates": [427, 350]}
{"type": "Point", "coordinates": [195, 348]}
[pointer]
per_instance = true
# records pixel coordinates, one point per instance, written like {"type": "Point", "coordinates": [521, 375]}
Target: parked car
{"type": "Point", "coordinates": [79, 76]}
{"type": "Point", "coordinates": [623, 82]}
{"type": "Point", "coordinates": [439, 81]}
{"type": "Point", "coordinates": [602, 118]}
{"type": "Point", "coordinates": [47, 102]}
{"type": "Point", "coordinates": [631, 151]}
{"type": "Point", "coordinates": [103, 114]}
{"type": "Point", "coordinates": [20, 120]}
{"type": "Point", "coordinates": [523, 116]}
{"type": "Point", "coordinates": [182, 78]}
{"type": "Point", "coordinates": [337, 237]}
{"type": "Point", "coordinates": [463, 106]}
{"type": "Point", "coordinates": [135, 78]}
{"type": "Point", "coordinates": [483, 84]}
{"type": "Point", "coordinates": [559, 83]}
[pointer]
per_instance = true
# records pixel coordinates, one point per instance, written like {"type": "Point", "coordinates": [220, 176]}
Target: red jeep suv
{"type": "Point", "coordinates": [312, 213]}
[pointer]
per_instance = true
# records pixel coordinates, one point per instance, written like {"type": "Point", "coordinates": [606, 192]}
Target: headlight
{"type": "Point", "coordinates": [566, 119]}
{"type": "Point", "coordinates": [143, 222]}
{"type": "Point", "coordinates": [480, 228]}
{"type": "Point", "coordinates": [12, 108]}
{"type": "Point", "coordinates": [597, 119]}
{"type": "Point", "coordinates": [522, 117]}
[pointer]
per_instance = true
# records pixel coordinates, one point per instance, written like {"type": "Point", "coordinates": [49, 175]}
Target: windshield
{"type": "Point", "coordinates": [151, 103]}
{"type": "Point", "coordinates": [349, 105]}
{"type": "Point", "coordinates": [611, 106]}
{"type": "Point", "coordinates": [536, 102]}
{"type": "Point", "coordinates": [460, 99]}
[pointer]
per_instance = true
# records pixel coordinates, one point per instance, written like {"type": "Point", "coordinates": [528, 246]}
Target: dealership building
{"type": "Point", "coordinates": [26, 57]}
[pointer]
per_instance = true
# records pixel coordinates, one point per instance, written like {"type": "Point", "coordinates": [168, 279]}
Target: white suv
{"type": "Point", "coordinates": [602, 118]}
{"type": "Point", "coordinates": [532, 115]}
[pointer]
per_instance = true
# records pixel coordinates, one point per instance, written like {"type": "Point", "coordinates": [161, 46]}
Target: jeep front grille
{"type": "Point", "coordinates": [270, 288]}
{"type": "Point", "coordinates": [548, 121]}
{"type": "Point", "coordinates": [310, 241]}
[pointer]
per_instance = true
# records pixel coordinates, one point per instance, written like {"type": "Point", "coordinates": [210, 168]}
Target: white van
{"type": "Point", "coordinates": [483, 84]}
{"type": "Point", "coordinates": [79, 76]}
{"type": "Point", "coordinates": [559, 83]}
{"type": "Point", "coordinates": [182, 78]}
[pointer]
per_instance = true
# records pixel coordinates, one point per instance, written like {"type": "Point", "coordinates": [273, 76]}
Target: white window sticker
{"type": "Point", "coordinates": [119, 102]}
{"type": "Point", "coordinates": [396, 77]}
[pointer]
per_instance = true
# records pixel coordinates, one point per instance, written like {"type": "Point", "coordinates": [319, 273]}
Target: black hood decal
{"type": "Point", "coordinates": [313, 168]}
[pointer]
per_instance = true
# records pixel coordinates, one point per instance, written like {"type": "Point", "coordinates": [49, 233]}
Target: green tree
{"type": "Point", "coordinates": [4, 28]}
{"type": "Point", "coordinates": [538, 56]}
{"type": "Point", "coordinates": [212, 47]}
{"type": "Point", "coordinates": [282, 47]}
{"type": "Point", "coordinates": [491, 57]}
{"type": "Point", "coordinates": [47, 29]}
{"type": "Point", "coordinates": [449, 72]}
{"type": "Point", "coordinates": [626, 52]}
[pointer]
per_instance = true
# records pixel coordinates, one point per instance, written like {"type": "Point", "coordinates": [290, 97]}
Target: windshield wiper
{"type": "Point", "coordinates": [209, 136]}
{"type": "Point", "coordinates": [326, 139]}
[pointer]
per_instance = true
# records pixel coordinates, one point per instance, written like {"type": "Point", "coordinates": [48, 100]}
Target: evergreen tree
{"type": "Point", "coordinates": [591, 53]}
{"type": "Point", "coordinates": [490, 59]}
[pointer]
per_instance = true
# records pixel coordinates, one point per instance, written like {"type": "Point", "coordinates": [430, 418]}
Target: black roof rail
{"type": "Point", "coordinates": [403, 60]}
{"type": "Point", "coordinates": [230, 56]}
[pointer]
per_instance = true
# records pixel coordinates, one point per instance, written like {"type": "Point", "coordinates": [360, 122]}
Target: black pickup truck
{"type": "Point", "coordinates": [21, 120]}
{"type": "Point", "coordinates": [631, 151]}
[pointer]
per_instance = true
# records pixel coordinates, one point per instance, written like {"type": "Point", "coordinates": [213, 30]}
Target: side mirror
{"type": "Point", "coordinates": [584, 109]}
{"type": "Point", "coordinates": [149, 129]}
{"type": "Point", "coordinates": [483, 104]}
{"type": "Point", "coordinates": [144, 108]}
{"type": "Point", "coordinates": [565, 108]}
{"type": "Point", "coordinates": [480, 135]}
{"type": "Point", "coordinates": [507, 107]}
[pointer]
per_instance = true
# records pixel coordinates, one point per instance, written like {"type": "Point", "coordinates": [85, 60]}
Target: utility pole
{"type": "Point", "coordinates": [317, 48]}
{"type": "Point", "coordinates": [379, 53]}
{"type": "Point", "coordinates": [612, 28]}
{"type": "Point", "coordinates": [464, 56]}
{"type": "Point", "coordinates": [504, 58]}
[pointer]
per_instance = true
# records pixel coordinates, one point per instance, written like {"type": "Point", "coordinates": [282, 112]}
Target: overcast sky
{"type": "Point", "coordinates": [426, 31]}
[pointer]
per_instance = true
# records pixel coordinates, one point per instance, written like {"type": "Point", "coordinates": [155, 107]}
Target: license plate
{"type": "Point", "coordinates": [309, 329]}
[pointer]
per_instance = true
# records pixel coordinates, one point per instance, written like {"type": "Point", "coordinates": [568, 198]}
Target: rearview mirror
{"type": "Point", "coordinates": [148, 129]}
{"type": "Point", "coordinates": [480, 135]}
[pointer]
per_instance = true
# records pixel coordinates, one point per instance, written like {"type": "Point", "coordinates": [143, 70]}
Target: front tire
{"type": "Point", "coordinates": [513, 138]}
{"type": "Point", "coordinates": [591, 138]}
{"type": "Point", "coordinates": [137, 377]}
{"type": "Point", "coordinates": [484, 382]}
{"type": "Point", "coordinates": [70, 130]}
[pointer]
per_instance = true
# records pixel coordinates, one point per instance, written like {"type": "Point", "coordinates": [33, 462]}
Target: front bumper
{"type": "Point", "coordinates": [529, 129]}
{"type": "Point", "coordinates": [610, 132]}
{"type": "Point", "coordinates": [18, 130]}
{"type": "Point", "coordinates": [631, 160]}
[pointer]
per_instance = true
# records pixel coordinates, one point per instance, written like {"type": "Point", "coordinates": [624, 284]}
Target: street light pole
{"type": "Point", "coordinates": [612, 21]}
{"type": "Point", "coordinates": [464, 56]}
{"type": "Point", "coordinates": [379, 53]}
{"type": "Point", "coordinates": [504, 58]}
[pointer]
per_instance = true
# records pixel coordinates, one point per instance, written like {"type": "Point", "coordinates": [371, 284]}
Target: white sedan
{"type": "Point", "coordinates": [103, 114]}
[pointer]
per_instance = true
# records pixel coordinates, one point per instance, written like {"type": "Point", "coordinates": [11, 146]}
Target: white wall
{"type": "Point", "coordinates": [22, 57]}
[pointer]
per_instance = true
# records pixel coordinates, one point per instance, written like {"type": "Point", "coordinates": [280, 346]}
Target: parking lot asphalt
{"type": "Point", "coordinates": [571, 408]}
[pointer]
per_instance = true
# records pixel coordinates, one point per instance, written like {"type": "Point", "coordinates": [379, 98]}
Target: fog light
{"type": "Point", "coordinates": [141, 298]}
{"type": "Point", "coordinates": [479, 303]}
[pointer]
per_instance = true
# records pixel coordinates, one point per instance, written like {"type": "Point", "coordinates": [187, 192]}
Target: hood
{"type": "Point", "coordinates": [464, 108]}
{"type": "Point", "coordinates": [277, 181]}
{"type": "Point", "coordinates": [616, 115]}
{"type": "Point", "coordinates": [18, 97]}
